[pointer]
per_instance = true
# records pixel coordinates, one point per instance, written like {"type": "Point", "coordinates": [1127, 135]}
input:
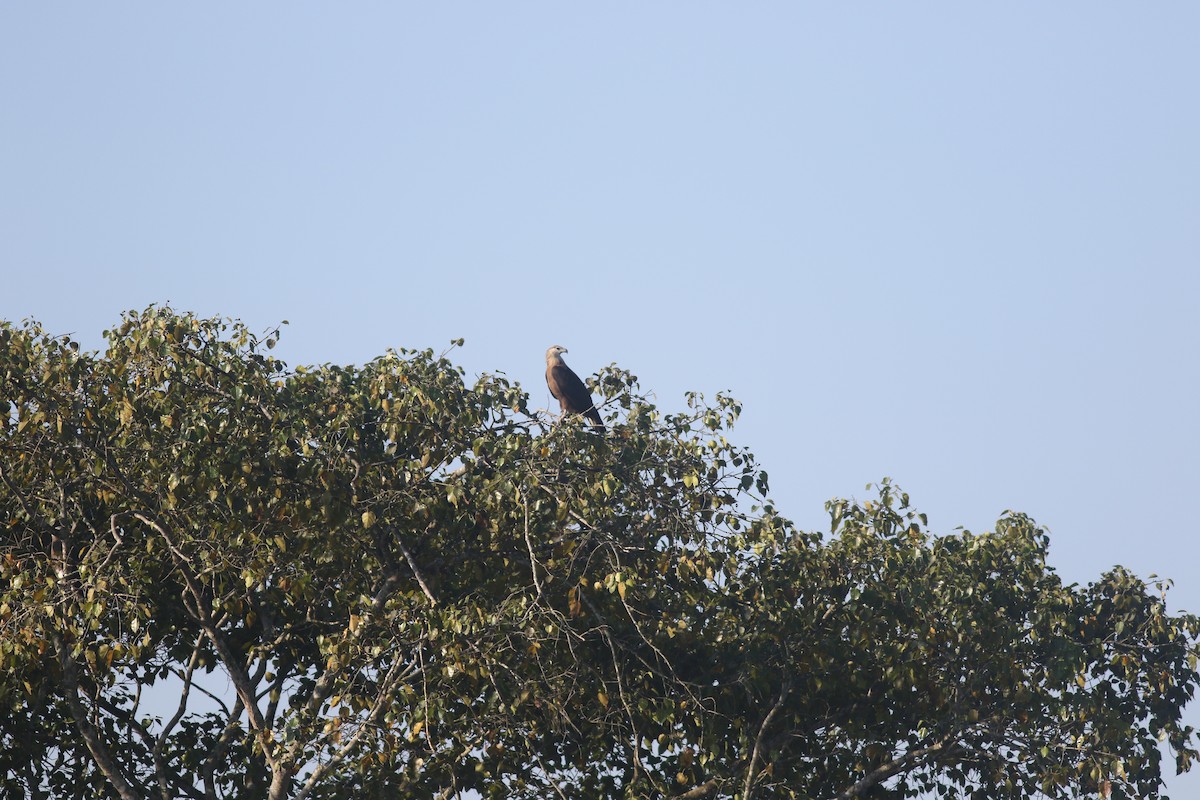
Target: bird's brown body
{"type": "Point", "coordinates": [568, 389]}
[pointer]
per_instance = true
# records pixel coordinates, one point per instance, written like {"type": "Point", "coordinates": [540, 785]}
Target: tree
{"type": "Point", "coordinates": [221, 578]}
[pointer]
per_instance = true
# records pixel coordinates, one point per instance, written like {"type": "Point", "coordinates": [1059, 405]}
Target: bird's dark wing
{"type": "Point", "coordinates": [570, 391]}
{"type": "Point", "coordinates": [572, 394]}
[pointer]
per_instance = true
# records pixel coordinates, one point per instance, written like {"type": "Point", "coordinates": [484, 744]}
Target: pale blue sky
{"type": "Point", "coordinates": [953, 244]}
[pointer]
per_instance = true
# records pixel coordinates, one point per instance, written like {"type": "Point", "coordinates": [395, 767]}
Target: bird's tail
{"type": "Point", "coordinates": [593, 417]}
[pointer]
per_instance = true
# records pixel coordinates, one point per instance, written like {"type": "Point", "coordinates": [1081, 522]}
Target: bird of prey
{"type": "Point", "coordinates": [566, 387]}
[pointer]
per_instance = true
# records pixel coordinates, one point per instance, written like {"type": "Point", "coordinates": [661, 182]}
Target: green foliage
{"type": "Point", "coordinates": [382, 581]}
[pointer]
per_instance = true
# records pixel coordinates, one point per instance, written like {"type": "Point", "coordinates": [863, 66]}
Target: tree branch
{"type": "Point", "coordinates": [91, 737]}
{"type": "Point", "coordinates": [703, 790]}
{"type": "Point", "coordinates": [752, 768]}
{"type": "Point", "coordinates": [412, 563]}
{"type": "Point", "coordinates": [160, 763]}
{"type": "Point", "coordinates": [533, 564]}
{"type": "Point", "coordinates": [382, 699]}
{"type": "Point", "coordinates": [217, 752]}
{"type": "Point", "coordinates": [237, 673]}
{"type": "Point", "coordinates": [884, 771]}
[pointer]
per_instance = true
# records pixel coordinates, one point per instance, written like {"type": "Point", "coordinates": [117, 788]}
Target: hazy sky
{"type": "Point", "coordinates": [954, 244]}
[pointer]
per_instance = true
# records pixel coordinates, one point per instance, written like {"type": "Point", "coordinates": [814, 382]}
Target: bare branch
{"type": "Point", "coordinates": [91, 736]}
{"type": "Point", "coordinates": [752, 767]}
{"type": "Point", "coordinates": [283, 671]}
{"type": "Point", "coordinates": [533, 564]}
{"type": "Point", "coordinates": [412, 563]}
{"type": "Point", "coordinates": [382, 699]}
{"type": "Point", "coordinates": [705, 789]}
{"type": "Point", "coordinates": [237, 673]}
{"type": "Point", "coordinates": [160, 763]}
{"type": "Point", "coordinates": [217, 752]}
{"type": "Point", "coordinates": [907, 761]}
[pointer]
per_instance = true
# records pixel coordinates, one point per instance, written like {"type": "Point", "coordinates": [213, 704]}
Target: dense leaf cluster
{"type": "Point", "coordinates": [224, 578]}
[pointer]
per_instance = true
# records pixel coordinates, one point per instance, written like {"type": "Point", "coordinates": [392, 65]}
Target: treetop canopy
{"type": "Point", "coordinates": [383, 580]}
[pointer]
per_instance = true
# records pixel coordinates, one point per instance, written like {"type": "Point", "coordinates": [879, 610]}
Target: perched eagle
{"type": "Point", "coordinates": [565, 385]}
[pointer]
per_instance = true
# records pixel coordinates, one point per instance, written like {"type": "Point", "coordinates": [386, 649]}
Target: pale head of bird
{"type": "Point", "coordinates": [555, 350]}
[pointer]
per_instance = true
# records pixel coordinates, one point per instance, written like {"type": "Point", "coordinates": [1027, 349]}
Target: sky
{"type": "Point", "coordinates": [953, 244]}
